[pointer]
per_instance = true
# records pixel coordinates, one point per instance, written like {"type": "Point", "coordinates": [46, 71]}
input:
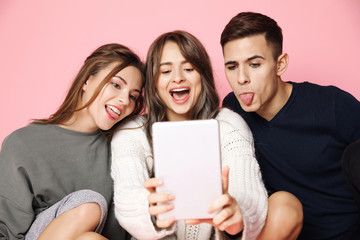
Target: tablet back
{"type": "Point", "coordinates": [187, 159]}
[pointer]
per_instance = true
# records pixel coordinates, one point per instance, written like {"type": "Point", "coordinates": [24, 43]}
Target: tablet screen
{"type": "Point", "coordinates": [187, 159]}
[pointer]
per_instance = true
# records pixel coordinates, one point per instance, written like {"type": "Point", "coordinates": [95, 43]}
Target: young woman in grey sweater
{"type": "Point", "coordinates": [55, 173]}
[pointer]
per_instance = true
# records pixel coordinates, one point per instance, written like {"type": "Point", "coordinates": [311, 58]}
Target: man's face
{"type": "Point", "coordinates": [252, 73]}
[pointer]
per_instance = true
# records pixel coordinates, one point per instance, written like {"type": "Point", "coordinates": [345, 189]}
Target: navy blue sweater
{"type": "Point", "coordinates": [300, 150]}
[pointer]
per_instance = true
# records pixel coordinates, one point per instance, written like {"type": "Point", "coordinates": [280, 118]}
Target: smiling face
{"type": "Point", "coordinates": [178, 84]}
{"type": "Point", "coordinates": [254, 75]}
{"type": "Point", "coordinates": [116, 100]}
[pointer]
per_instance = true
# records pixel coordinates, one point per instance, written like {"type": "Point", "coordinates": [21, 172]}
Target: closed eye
{"type": "Point", "coordinates": [188, 69]}
{"type": "Point", "coordinates": [166, 72]}
{"type": "Point", "coordinates": [132, 97]}
{"type": "Point", "coordinates": [115, 85]}
{"type": "Point", "coordinates": [254, 65]}
{"type": "Point", "coordinates": [231, 67]}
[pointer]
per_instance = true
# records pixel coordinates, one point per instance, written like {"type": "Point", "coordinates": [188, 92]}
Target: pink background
{"type": "Point", "coordinates": [44, 42]}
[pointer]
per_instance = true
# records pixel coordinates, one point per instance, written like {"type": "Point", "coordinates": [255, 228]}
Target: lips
{"type": "Point", "coordinates": [246, 98]}
{"type": "Point", "coordinates": [180, 94]}
{"type": "Point", "coordinates": [113, 112]}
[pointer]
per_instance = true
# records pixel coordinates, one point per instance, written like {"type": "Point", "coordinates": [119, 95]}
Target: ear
{"type": "Point", "coordinates": [282, 63]}
{"type": "Point", "coordinates": [86, 83]}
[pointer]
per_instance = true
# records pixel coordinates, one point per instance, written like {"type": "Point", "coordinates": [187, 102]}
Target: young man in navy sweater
{"type": "Point", "coordinates": [300, 129]}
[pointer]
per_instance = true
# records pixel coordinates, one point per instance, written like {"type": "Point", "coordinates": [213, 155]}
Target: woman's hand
{"type": "Point", "coordinates": [154, 198]}
{"type": "Point", "coordinates": [229, 217]}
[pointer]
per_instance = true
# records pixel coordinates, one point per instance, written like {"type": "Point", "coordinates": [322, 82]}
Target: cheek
{"type": "Point", "coordinates": [105, 93]}
{"type": "Point", "coordinates": [198, 87]}
{"type": "Point", "coordinates": [161, 91]}
{"type": "Point", "coordinates": [161, 83]}
{"type": "Point", "coordinates": [196, 95]}
{"type": "Point", "coordinates": [231, 77]}
{"type": "Point", "coordinates": [160, 87]}
{"type": "Point", "coordinates": [97, 102]}
{"type": "Point", "coordinates": [132, 107]}
{"type": "Point", "coordinates": [233, 83]}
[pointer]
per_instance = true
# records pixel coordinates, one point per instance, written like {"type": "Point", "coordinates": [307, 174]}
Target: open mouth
{"type": "Point", "coordinates": [180, 94]}
{"type": "Point", "coordinates": [114, 112]}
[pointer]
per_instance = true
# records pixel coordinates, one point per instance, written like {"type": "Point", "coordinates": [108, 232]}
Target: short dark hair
{"type": "Point", "coordinates": [247, 24]}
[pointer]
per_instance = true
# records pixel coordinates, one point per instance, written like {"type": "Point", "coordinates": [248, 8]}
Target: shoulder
{"type": "Point", "coordinates": [227, 116]}
{"type": "Point", "coordinates": [131, 128]}
{"type": "Point", "coordinates": [21, 143]}
{"type": "Point", "coordinates": [230, 101]}
{"type": "Point", "coordinates": [324, 94]}
{"type": "Point", "coordinates": [231, 121]}
{"type": "Point", "coordinates": [133, 122]}
{"type": "Point", "coordinates": [319, 90]}
{"type": "Point", "coordinates": [24, 134]}
{"type": "Point", "coordinates": [230, 97]}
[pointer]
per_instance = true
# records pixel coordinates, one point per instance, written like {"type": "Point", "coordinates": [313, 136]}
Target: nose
{"type": "Point", "coordinates": [178, 76]}
{"type": "Point", "coordinates": [243, 77]}
{"type": "Point", "coordinates": [124, 98]}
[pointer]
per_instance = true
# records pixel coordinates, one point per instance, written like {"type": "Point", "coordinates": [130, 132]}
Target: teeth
{"type": "Point", "coordinates": [114, 109]}
{"type": "Point", "coordinates": [179, 90]}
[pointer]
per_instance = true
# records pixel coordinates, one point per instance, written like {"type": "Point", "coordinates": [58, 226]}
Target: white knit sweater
{"type": "Point", "coordinates": [132, 163]}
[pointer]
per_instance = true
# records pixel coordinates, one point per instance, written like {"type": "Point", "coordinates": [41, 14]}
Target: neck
{"type": "Point", "coordinates": [78, 123]}
{"type": "Point", "coordinates": [280, 98]}
{"type": "Point", "coordinates": [177, 117]}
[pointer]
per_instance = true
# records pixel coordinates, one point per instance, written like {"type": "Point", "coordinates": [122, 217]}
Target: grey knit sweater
{"type": "Point", "coordinates": [41, 164]}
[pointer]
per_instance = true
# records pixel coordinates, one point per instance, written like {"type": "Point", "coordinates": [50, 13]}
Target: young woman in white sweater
{"type": "Point", "coordinates": [180, 86]}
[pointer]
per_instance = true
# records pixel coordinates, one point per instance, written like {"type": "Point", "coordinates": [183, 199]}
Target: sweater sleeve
{"type": "Point", "coordinates": [245, 180]}
{"type": "Point", "coordinates": [131, 163]}
{"type": "Point", "coordinates": [16, 211]}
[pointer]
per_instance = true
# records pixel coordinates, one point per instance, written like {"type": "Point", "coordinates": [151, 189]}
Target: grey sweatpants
{"type": "Point", "coordinates": [70, 201]}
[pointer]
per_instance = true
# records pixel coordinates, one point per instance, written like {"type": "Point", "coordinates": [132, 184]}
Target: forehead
{"type": "Point", "coordinates": [132, 76]}
{"type": "Point", "coordinates": [171, 52]}
{"type": "Point", "coordinates": [244, 48]}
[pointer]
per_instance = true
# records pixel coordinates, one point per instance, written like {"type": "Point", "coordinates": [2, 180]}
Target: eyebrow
{"type": "Point", "coordinates": [230, 63]}
{"type": "Point", "coordinates": [125, 82]}
{"type": "Point", "coordinates": [170, 63]}
{"type": "Point", "coordinates": [254, 57]}
{"type": "Point", "coordinates": [247, 60]}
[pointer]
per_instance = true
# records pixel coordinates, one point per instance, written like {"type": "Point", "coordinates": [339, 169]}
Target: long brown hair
{"type": "Point", "coordinates": [98, 60]}
{"type": "Point", "coordinates": [194, 52]}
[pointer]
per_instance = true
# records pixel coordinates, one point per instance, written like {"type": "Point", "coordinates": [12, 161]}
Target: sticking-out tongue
{"type": "Point", "coordinates": [112, 113]}
{"type": "Point", "coordinates": [246, 98]}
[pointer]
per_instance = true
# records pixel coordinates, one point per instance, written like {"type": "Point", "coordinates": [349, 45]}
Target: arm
{"type": "Point", "coordinates": [131, 163]}
{"type": "Point", "coordinates": [245, 181]}
{"type": "Point", "coordinates": [347, 116]}
{"type": "Point", "coordinates": [16, 211]}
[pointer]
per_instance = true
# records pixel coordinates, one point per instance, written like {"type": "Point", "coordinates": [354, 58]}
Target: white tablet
{"type": "Point", "coordinates": [187, 159]}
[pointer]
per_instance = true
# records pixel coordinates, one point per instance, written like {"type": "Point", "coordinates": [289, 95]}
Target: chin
{"type": "Point", "coordinates": [184, 112]}
{"type": "Point", "coordinates": [106, 128]}
{"type": "Point", "coordinates": [250, 108]}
